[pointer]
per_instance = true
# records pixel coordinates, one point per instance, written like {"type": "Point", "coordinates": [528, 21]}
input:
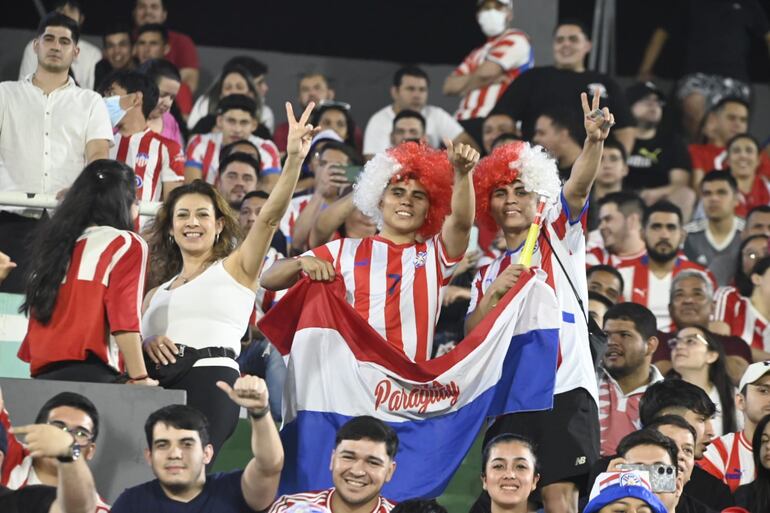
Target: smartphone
{"type": "Point", "coordinates": [662, 476]}
{"type": "Point", "coordinates": [351, 172]}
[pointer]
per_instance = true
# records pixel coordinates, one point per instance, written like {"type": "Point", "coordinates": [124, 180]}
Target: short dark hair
{"type": "Point", "coordinates": [719, 175]}
{"type": "Point", "coordinates": [237, 102]}
{"type": "Point", "coordinates": [503, 139]}
{"type": "Point", "coordinates": [674, 393]}
{"type": "Point", "coordinates": [57, 19]}
{"type": "Point", "coordinates": [153, 27]}
{"type": "Point", "coordinates": [566, 119]}
{"type": "Point", "coordinates": [255, 194]}
{"type": "Point", "coordinates": [573, 21]}
{"type": "Point", "coordinates": [505, 438]}
{"type": "Point", "coordinates": [600, 298]}
{"type": "Point", "coordinates": [744, 136]}
{"type": "Point", "coordinates": [627, 202]}
{"type": "Point", "coordinates": [116, 27]}
{"type": "Point", "coordinates": [230, 148]}
{"type": "Point", "coordinates": [132, 82]}
{"type": "Point", "coordinates": [77, 4]}
{"type": "Point", "coordinates": [648, 436]}
{"type": "Point", "coordinates": [340, 146]}
{"type": "Point", "coordinates": [160, 68]}
{"type": "Point", "coordinates": [718, 106]}
{"type": "Point", "coordinates": [406, 113]}
{"type": "Point", "coordinates": [73, 400]}
{"type": "Point", "coordinates": [370, 428]}
{"type": "Point", "coordinates": [411, 71]}
{"type": "Point", "coordinates": [673, 420]}
{"type": "Point", "coordinates": [253, 66]}
{"type": "Point", "coordinates": [661, 206]}
{"type": "Point", "coordinates": [607, 269]}
{"type": "Point", "coordinates": [178, 416]}
{"type": "Point", "coordinates": [762, 266]}
{"type": "Point", "coordinates": [764, 209]}
{"type": "Point", "coordinates": [245, 158]}
{"type": "Point", "coordinates": [419, 506]}
{"type": "Point", "coordinates": [644, 320]}
{"type": "Point", "coordinates": [614, 144]}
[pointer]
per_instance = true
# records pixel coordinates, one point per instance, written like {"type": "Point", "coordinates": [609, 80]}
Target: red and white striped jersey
{"type": "Point", "coordinates": [641, 286]}
{"type": "Point", "coordinates": [397, 288]}
{"type": "Point", "coordinates": [267, 298]}
{"type": "Point", "coordinates": [744, 320]}
{"type": "Point", "coordinates": [101, 294]}
{"type": "Point", "coordinates": [600, 256]}
{"type": "Point", "coordinates": [154, 159]}
{"type": "Point", "coordinates": [18, 470]}
{"type": "Point", "coordinates": [730, 458]}
{"type": "Point", "coordinates": [322, 499]}
{"type": "Point", "coordinates": [203, 153]}
{"type": "Point", "coordinates": [576, 369]}
{"type": "Point", "coordinates": [296, 206]}
{"type": "Point", "coordinates": [512, 51]}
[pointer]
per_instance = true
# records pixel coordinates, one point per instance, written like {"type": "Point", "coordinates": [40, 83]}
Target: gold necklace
{"type": "Point", "coordinates": [194, 274]}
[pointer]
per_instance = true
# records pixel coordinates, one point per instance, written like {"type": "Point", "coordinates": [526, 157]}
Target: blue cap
{"type": "Point", "coordinates": [614, 486]}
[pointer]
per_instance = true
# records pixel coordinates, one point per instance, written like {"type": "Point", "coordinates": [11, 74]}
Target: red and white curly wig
{"type": "Point", "coordinates": [517, 160]}
{"type": "Point", "coordinates": [407, 161]}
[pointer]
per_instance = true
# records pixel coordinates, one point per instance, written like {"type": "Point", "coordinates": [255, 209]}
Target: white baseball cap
{"type": "Point", "coordinates": [754, 372]}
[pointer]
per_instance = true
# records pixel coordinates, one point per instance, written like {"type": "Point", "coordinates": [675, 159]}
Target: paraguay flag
{"type": "Point", "coordinates": [339, 367]}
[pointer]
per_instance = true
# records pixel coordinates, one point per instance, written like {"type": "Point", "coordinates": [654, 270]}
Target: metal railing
{"type": "Point", "coordinates": [49, 201]}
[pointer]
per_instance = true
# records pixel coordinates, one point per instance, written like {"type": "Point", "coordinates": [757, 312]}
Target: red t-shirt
{"type": "Point", "coordinates": [182, 51]}
{"type": "Point", "coordinates": [709, 157]}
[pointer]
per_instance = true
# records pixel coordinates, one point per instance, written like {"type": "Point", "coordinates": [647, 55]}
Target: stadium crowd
{"type": "Point", "coordinates": [653, 240]}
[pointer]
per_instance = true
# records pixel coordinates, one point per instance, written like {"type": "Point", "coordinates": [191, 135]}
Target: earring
{"type": "Point", "coordinates": [171, 239]}
{"type": "Point", "coordinates": [216, 238]}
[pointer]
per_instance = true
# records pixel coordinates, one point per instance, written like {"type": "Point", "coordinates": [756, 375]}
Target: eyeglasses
{"type": "Point", "coordinates": [81, 435]}
{"type": "Point", "coordinates": [688, 341]}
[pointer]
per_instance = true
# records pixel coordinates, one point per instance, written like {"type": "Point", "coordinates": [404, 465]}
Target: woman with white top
{"type": "Point", "coordinates": [699, 358]}
{"type": "Point", "coordinates": [206, 282]}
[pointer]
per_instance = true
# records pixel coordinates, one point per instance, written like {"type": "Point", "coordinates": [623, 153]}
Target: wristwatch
{"type": "Point", "coordinates": [73, 455]}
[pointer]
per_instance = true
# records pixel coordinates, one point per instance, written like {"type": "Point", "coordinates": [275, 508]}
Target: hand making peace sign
{"type": "Point", "coordinates": [597, 121]}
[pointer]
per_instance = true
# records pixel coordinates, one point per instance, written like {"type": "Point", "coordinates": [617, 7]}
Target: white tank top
{"type": "Point", "coordinates": [211, 310]}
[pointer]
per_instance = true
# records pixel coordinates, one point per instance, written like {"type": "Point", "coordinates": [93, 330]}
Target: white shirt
{"type": "Point", "coordinates": [438, 124]}
{"type": "Point", "coordinates": [201, 110]}
{"type": "Point", "coordinates": [43, 138]}
{"type": "Point", "coordinates": [82, 67]}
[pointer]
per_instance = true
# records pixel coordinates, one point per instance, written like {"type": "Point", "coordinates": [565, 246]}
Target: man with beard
{"type": "Point", "coordinates": [620, 226]}
{"type": "Point", "coordinates": [648, 278]}
{"type": "Point", "coordinates": [49, 130]}
{"type": "Point", "coordinates": [362, 462]}
{"type": "Point", "coordinates": [626, 371]}
{"type": "Point", "coordinates": [239, 175]}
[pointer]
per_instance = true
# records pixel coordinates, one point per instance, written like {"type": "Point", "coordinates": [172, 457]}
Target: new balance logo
{"type": "Point", "coordinates": [581, 460]}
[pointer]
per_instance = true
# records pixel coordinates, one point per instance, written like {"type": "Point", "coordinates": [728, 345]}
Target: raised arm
{"type": "Point", "coordinates": [597, 125]}
{"type": "Point", "coordinates": [330, 219]}
{"type": "Point", "coordinates": [259, 482]}
{"type": "Point", "coordinates": [651, 53]}
{"type": "Point", "coordinates": [245, 262]}
{"type": "Point", "coordinates": [456, 229]}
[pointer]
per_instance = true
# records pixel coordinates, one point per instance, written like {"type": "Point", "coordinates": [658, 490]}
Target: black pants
{"type": "Point", "coordinates": [15, 231]}
{"type": "Point", "coordinates": [90, 370]}
{"type": "Point", "coordinates": [203, 394]}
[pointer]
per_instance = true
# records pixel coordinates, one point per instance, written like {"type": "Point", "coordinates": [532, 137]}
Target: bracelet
{"type": "Point", "coordinates": [138, 378]}
{"type": "Point", "coordinates": [256, 415]}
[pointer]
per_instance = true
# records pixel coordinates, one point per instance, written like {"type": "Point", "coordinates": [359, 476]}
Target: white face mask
{"type": "Point", "coordinates": [492, 22]}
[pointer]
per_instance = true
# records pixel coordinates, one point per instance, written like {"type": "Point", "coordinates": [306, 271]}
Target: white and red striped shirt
{"type": "Point", "coordinates": [203, 153]}
{"type": "Point", "coordinates": [322, 499]}
{"type": "Point", "coordinates": [576, 369]}
{"type": "Point", "coordinates": [641, 286]}
{"type": "Point", "coordinates": [600, 256]}
{"type": "Point", "coordinates": [744, 320]}
{"type": "Point", "coordinates": [730, 458]}
{"type": "Point", "coordinates": [101, 294]}
{"type": "Point", "coordinates": [18, 470]}
{"type": "Point", "coordinates": [397, 288]}
{"type": "Point", "coordinates": [513, 52]}
{"type": "Point", "coordinates": [155, 160]}
{"type": "Point", "coordinates": [296, 206]}
{"type": "Point", "coordinates": [267, 298]}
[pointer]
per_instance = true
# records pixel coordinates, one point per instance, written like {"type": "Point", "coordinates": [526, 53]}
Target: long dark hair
{"type": "Point", "coordinates": [165, 256]}
{"type": "Point", "coordinates": [214, 92]}
{"type": "Point", "coordinates": [721, 380]}
{"type": "Point", "coordinates": [761, 485]}
{"type": "Point", "coordinates": [743, 280]}
{"type": "Point", "coordinates": [350, 139]}
{"type": "Point", "coordinates": [102, 195]}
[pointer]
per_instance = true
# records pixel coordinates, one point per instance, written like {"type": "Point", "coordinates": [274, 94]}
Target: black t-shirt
{"type": "Point", "coordinates": [709, 490]}
{"type": "Point", "coordinates": [719, 34]}
{"type": "Point", "coordinates": [221, 493]}
{"type": "Point", "coordinates": [543, 88]}
{"type": "Point", "coordinates": [746, 497]}
{"type": "Point", "coordinates": [651, 160]}
{"type": "Point", "coordinates": [689, 504]}
{"type": "Point", "coordinates": [30, 499]}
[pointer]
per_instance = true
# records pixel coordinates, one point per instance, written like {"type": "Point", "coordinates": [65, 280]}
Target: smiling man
{"type": "Point", "coordinates": [362, 462]}
{"type": "Point", "coordinates": [626, 371]}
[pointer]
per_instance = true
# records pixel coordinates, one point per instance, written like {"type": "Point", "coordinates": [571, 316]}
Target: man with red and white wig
{"type": "Point", "coordinates": [395, 279]}
{"type": "Point", "coordinates": [511, 184]}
